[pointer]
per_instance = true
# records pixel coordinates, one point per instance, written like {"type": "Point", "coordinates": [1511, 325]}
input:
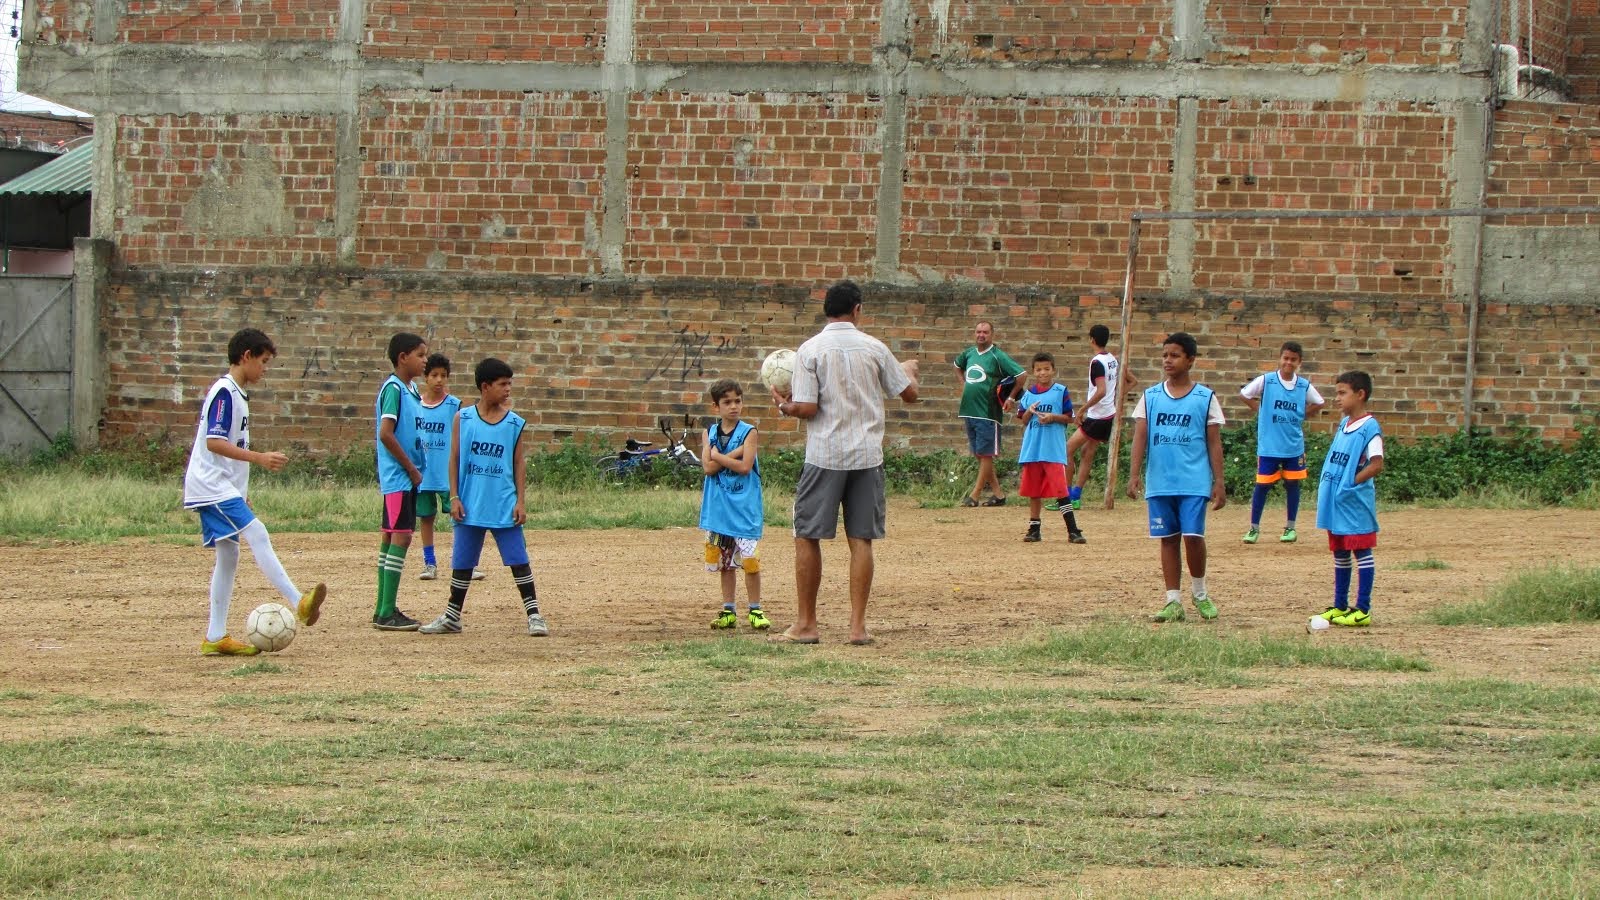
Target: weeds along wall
{"type": "Point", "coordinates": [626, 198]}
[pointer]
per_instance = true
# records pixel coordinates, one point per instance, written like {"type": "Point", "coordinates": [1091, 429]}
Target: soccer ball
{"type": "Point", "coordinates": [777, 370]}
{"type": "Point", "coordinates": [271, 627]}
{"type": "Point", "coordinates": [1317, 623]}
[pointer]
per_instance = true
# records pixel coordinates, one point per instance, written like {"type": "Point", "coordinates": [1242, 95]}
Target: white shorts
{"type": "Point", "coordinates": [724, 554]}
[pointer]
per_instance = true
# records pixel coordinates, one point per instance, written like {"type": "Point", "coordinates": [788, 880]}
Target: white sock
{"type": "Point", "coordinates": [1197, 586]}
{"type": "Point", "coordinates": [222, 588]}
{"type": "Point", "coordinates": [1174, 596]}
{"type": "Point", "coordinates": [255, 534]}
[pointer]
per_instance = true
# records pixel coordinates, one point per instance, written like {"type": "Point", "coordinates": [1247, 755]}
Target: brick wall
{"type": "Point", "coordinates": [174, 21]}
{"type": "Point", "coordinates": [1333, 156]}
{"type": "Point", "coordinates": [498, 31]}
{"type": "Point", "coordinates": [1035, 32]}
{"type": "Point", "coordinates": [41, 128]}
{"type": "Point", "coordinates": [765, 31]}
{"type": "Point", "coordinates": [605, 361]}
{"type": "Point", "coordinates": [1546, 154]}
{"type": "Point", "coordinates": [1404, 32]}
{"type": "Point", "coordinates": [238, 190]}
{"type": "Point", "coordinates": [63, 21]}
{"type": "Point", "coordinates": [981, 203]}
{"type": "Point", "coordinates": [764, 187]}
{"type": "Point", "coordinates": [1583, 50]}
{"type": "Point", "coordinates": [481, 181]}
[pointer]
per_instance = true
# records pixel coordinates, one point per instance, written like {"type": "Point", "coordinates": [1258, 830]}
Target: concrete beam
{"type": "Point", "coordinates": [1468, 174]}
{"type": "Point", "coordinates": [91, 262]}
{"type": "Point", "coordinates": [1541, 264]}
{"type": "Point", "coordinates": [309, 78]}
{"type": "Point", "coordinates": [891, 58]}
{"type": "Point", "coordinates": [1180, 233]}
{"type": "Point", "coordinates": [617, 80]}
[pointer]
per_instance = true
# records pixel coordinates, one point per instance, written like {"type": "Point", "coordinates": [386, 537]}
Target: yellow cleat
{"type": "Point", "coordinates": [227, 647]}
{"type": "Point", "coordinates": [309, 609]}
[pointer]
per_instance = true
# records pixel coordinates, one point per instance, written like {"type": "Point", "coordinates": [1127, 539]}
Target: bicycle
{"type": "Point", "coordinates": [637, 458]}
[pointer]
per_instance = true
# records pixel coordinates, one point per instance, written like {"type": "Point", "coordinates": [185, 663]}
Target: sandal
{"type": "Point", "coordinates": [968, 501]}
{"type": "Point", "coordinates": [994, 501]}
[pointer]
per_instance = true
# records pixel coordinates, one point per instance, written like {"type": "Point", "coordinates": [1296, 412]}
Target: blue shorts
{"type": "Point", "coordinates": [469, 545]}
{"type": "Point", "coordinates": [1172, 516]}
{"type": "Point", "coordinates": [983, 437]}
{"type": "Point", "coordinates": [223, 521]}
{"type": "Point", "coordinates": [1271, 468]}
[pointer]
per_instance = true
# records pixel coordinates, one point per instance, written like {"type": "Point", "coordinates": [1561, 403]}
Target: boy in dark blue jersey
{"type": "Point", "coordinates": [731, 512]}
{"type": "Point", "coordinates": [1347, 499]}
{"type": "Point", "coordinates": [1178, 426]}
{"type": "Point", "coordinates": [488, 484]}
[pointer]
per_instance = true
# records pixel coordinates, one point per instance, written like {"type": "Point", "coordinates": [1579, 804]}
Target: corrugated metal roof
{"type": "Point", "coordinates": [70, 173]}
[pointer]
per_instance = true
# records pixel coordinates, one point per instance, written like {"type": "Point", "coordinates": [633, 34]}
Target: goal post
{"type": "Point", "coordinates": [1480, 212]}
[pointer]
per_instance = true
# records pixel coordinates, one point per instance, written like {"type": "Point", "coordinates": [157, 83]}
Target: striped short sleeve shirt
{"type": "Point", "coordinates": [847, 373]}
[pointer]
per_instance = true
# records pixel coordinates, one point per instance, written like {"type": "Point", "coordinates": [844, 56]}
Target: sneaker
{"type": "Point", "coordinates": [1332, 611]}
{"type": "Point", "coordinates": [1205, 607]}
{"type": "Point", "coordinates": [1289, 536]}
{"type": "Point", "coordinates": [1172, 612]}
{"type": "Point", "coordinates": [441, 625]}
{"type": "Point", "coordinates": [1077, 503]}
{"type": "Point", "coordinates": [396, 621]}
{"type": "Point", "coordinates": [227, 647]}
{"type": "Point", "coordinates": [725, 619]}
{"type": "Point", "coordinates": [537, 626]}
{"type": "Point", "coordinates": [1052, 506]}
{"type": "Point", "coordinates": [309, 609]}
{"type": "Point", "coordinates": [758, 619]}
{"type": "Point", "coordinates": [1076, 537]}
{"type": "Point", "coordinates": [1033, 536]}
{"type": "Point", "coordinates": [1353, 618]}
{"type": "Point", "coordinates": [428, 573]}
{"type": "Point", "coordinates": [1253, 535]}
{"type": "Point", "coordinates": [477, 574]}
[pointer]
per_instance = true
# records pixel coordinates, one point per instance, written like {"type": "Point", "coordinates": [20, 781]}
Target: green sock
{"type": "Point", "coordinates": [378, 611]}
{"type": "Point", "coordinates": [389, 580]}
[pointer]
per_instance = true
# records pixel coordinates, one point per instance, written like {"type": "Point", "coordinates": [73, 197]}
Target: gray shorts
{"type": "Point", "coordinates": [820, 493]}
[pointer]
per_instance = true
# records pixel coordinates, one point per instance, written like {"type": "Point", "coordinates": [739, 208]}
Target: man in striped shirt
{"type": "Point", "coordinates": [841, 378]}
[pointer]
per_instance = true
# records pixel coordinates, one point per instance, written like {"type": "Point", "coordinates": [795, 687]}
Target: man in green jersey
{"type": "Point", "coordinates": [984, 367]}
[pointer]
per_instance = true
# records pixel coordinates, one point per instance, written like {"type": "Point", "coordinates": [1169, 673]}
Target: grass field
{"type": "Point", "coordinates": [1019, 730]}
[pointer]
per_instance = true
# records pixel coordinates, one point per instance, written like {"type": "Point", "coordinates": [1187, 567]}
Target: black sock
{"type": "Point", "coordinates": [1071, 520]}
{"type": "Point", "coordinates": [460, 580]}
{"type": "Point", "coordinates": [523, 576]}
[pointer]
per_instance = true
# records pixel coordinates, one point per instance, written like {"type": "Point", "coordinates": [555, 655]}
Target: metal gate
{"type": "Point", "coordinates": [35, 362]}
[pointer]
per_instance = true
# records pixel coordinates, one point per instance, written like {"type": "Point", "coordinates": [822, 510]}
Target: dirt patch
{"type": "Point", "coordinates": [124, 621]}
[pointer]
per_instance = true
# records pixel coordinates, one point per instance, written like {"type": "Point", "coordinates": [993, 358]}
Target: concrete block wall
{"type": "Point", "coordinates": [627, 189]}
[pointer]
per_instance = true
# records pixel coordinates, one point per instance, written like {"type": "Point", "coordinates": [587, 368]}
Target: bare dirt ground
{"type": "Point", "coordinates": [126, 620]}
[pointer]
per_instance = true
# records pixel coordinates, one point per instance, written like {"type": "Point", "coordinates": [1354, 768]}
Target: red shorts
{"type": "Point", "coordinates": [1043, 479]}
{"type": "Point", "coordinates": [1352, 541]}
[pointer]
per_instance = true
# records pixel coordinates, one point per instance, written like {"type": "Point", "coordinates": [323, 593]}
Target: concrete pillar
{"type": "Point", "coordinates": [1180, 234]}
{"type": "Point", "coordinates": [892, 60]}
{"type": "Point", "coordinates": [91, 263]}
{"type": "Point", "coordinates": [617, 77]}
{"type": "Point", "coordinates": [347, 128]}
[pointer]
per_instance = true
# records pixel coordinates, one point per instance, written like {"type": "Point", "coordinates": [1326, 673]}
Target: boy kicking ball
{"type": "Point", "coordinates": [217, 482]}
{"type": "Point", "coordinates": [1347, 500]}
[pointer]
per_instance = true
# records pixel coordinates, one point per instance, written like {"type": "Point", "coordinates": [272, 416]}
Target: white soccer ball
{"type": "Point", "coordinates": [777, 370]}
{"type": "Point", "coordinates": [271, 627]}
{"type": "Point", "coordinates": [1317, 623]}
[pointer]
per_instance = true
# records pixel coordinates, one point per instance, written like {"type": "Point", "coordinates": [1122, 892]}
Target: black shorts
{"type": "Point", "coordinates": [399, 512]}
{"type": "Point", "coordinates": [1097, 429]}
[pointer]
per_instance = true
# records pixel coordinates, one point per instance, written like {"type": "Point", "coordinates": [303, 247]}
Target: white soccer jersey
{"type": "Point", "coordinates": [211, 478]}
{"type": "Point", "coordinates": [1107, 406]}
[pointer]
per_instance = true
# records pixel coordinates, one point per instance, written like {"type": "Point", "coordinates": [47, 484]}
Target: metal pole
{"type": "Point", "coordinates": [1122, 354]}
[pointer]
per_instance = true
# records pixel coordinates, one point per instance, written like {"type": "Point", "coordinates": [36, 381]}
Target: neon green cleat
{"type": "Point", "coordinates": [1052, 506]}
{"type": "Point", "coordinates": [725, 619]}
{"type": "Point", "coordinates": [1253, 535]}
{"type": "Point", "coordinates": [309, 609]}
{"type": "Point", "coordinates": [1204, 606]}
{"type": "Point", "coordinates": [1172, 612]}
{"type": "Point", "coordinates": [1332, 611]}
{"type": "Point", "coordinates": [227, 646]}
{"type": "Point", "coordinates": [1077, 504]}
{"type": "Point", "coordinates": [1289, 536]}
{"type": "Point", "coordinates": [1352, 618]}
{"type": "Point", "coordinates": [758, 619]}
